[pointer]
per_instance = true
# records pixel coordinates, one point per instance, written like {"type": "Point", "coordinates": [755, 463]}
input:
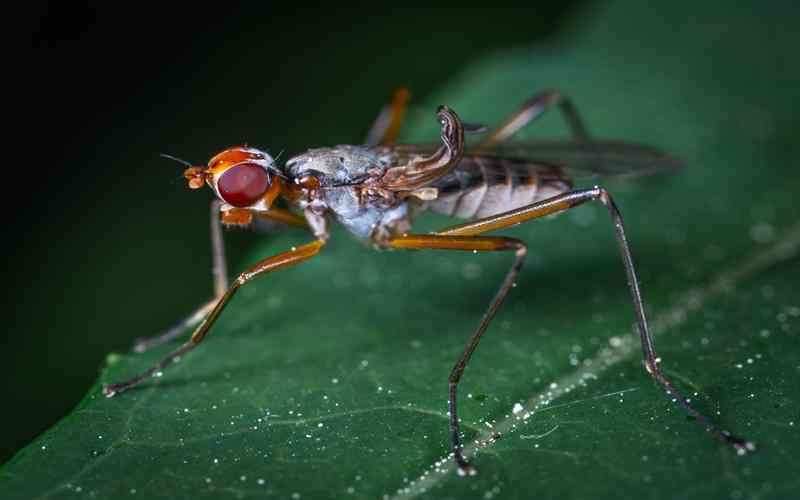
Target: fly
{"type": "Point", "coordinates": [374, 191]}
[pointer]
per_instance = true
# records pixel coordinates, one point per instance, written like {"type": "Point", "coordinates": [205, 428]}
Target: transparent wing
{"type": "Point", "coordinates": [587, 160]}
{"type": "Point", "coordinates": [576, 160]}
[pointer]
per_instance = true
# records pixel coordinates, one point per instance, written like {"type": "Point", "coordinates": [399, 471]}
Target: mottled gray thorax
{"type": "Point", "coordinates": [342, 172]}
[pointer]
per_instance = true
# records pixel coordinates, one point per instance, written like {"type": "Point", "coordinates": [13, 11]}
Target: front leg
{"type": "Point", "coordinates": [219, 272]}
{"type": "Point", "coordinates": [280, 261]}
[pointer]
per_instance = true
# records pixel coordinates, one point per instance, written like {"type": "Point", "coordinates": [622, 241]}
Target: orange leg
{"type": "Point", "coordinates": [464, 237]}
{"type": "Point", "coordinates": [387, 125]}
{"type": "Point", "coordinates": [265, 266]}
{"type": "Point", "coordinates": [219, 272]}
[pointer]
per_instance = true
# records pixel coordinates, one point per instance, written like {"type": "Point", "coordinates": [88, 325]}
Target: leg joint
{"type": "Point", "coordinates": [521, 249]}
{"type": "Point", "coordinates": [552, 96]}
{"type": "Point", "coordinates": [603, 195]}
{"type": "Point", "coordinates": [548, 97]}
{"type": "Point", "coordinates": [652, 366]}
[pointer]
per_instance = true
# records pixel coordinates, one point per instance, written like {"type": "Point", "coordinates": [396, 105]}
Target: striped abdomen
{"type": "Point", "coordinates": [484, 186]}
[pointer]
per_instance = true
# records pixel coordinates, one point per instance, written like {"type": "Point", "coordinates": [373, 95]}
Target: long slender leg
{"type": "Point", "coordinates": [219, 272]}
{"type": "Point", "coordinates": [532, 109]}
{"type": "Point", "coordinates": [386, 127]}
{"type": "Point", "coordinates": [220, 275]}
{"type": "Point", "coordinates": [219, 268]}
{"type": "Point", "coordinates": [651, 360]}
{"type": "Point", "coordinates": [175, 331]}
{"type": "Point", "coordinates": [267, 265]}
{"type": "Point", "coordinates": [475, 243]}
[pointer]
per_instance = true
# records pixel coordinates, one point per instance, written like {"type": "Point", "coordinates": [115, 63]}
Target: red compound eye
{"type": "Point", "coordinates": [243, 185]}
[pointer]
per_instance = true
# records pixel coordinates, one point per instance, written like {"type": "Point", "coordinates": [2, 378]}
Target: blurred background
{"type": "Point", "coordinates": [104, 242]}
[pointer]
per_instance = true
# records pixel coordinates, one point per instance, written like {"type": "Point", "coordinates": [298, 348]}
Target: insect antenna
{"type": "Point", "coordinates": [175, 158]}
{"type": "Point", "coordinates": [182, 162]}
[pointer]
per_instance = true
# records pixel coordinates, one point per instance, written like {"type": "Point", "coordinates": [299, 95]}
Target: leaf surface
{"type": "Point", "coordinates": [330, 379]}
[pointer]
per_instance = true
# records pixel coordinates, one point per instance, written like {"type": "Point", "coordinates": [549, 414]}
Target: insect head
{"type": "Point", "coordinates": [240, 176]}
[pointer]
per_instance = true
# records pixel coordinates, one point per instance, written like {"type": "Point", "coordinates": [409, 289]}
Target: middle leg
{"type": "Point", "coordinates": [387, 125]}
{"type": "Point", "coordinates": [479, 244]}
{"type": "Point", "coordinates": [651, 361]}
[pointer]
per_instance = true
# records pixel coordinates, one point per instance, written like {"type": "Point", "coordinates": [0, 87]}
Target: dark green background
{"type": "Point", "coordinates": [716, 245]}
{"type": "Point", "coordinates": [108, 244]}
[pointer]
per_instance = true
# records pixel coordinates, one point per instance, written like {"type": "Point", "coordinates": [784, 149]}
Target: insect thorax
{"type": "Point", "coordinates": [344, 173]}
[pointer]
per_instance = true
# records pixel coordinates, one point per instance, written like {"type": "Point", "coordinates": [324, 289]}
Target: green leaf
{"type": "Point", "coordinates": [330, 379]}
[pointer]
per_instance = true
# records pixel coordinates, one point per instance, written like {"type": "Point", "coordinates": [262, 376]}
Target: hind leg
{"type": "Point", "coordinates": [466, 237]}
{"type": "Point", "coordinates": [532, 109]}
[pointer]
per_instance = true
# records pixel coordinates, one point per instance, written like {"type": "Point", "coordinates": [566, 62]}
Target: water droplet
{"type": "Point", "coordinates": [762, 232]}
